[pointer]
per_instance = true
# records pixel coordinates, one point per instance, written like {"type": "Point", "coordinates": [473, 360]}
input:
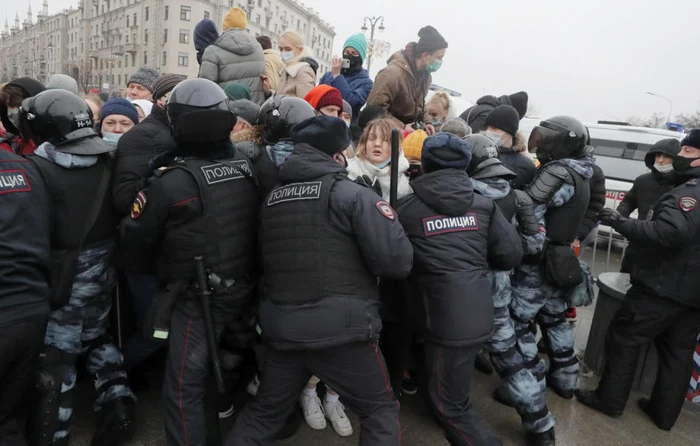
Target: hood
{"type": "Point", "coordinates": [205, 33]}
{"type": "Point", "coordinates": [30, 87]}
{"type": "Point", "coordinates": [492, 101]}
{"type": "Point", "coordinates": [280, 151]}
{"type": "Point", "coordinates": [306, 163]}
{"type": "Point", "coordinates": [238, 41]}
{"type": "Point", "coordinates": [582, 166]}
{"type": "Point", "coordinates": [66, 160]}
{"type": "Point", "coordinates": [446, 191]}
{"type": "Point", "coordinates": [402, 59]}
{"type": "Point", "coordinates": [493, 188]}
{"type": "Point", "coordinates": [670, 146]}
{"type": "Point", "coordinates": [212, 150]}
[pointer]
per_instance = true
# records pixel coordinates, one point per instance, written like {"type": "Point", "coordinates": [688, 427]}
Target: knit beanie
{"type": "Point", "coordinates": [519, 102]}
{"type": "Point", "coordinates": [145, 76]}
{"type": "Point", "coordinates": [504, 117]}
{"type": "Point", "coordinates": [235, 19]}
{"type": "Point", "coordinates": [359, 42]}
{"type": "Point", "coordinates": [430, 40]}
{"type": "Point", "coordinates": [264, 42]}
{"type": "Point", "coordinates": [165, 84]}
{"type": "Point", "coordinates": [347, 108]}
{"type": "Point", "coordinates": [324, 95]}
{"type": "Point", "coordinates": [413, 144]}
{"type": "Point", "coordinates": [119, 106]}
{"type": "Point", "coordinates": [692, 140]}
{"type": "Point", "coordinates": [205, 34]}
{"type": "Point", "coordinates": [235, 91]}
{"type": "Point", "coordinates": [445, 151]}
{"type": "Point", "coordinates": [246, 109]}
{"type": "Point", "coordinates": [62, 82]}
{"type": "Point", "coordinates": [324, 133]}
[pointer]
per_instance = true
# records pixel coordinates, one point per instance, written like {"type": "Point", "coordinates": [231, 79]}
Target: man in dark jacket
{"type": "Point", "coordinates": [458, 237]}
{"type": "Point", "coordinates": [476, 115]}
{"type": "Point", "coordinates": [663, 305]}
{"type": "Point", "coordinates": [595, 204]}
{"type": "Point", "coordinates": [324, 240]}
{"type": "Point", "coordinates": [25, 266]}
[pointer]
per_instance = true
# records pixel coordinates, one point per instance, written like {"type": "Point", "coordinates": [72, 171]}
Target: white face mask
{"type": "Point", "coordinates": [495, 137]}
{"type": "Point", "coordinates": [663, 168]}
{"type": "Point", "coordinates": [287, 56]}
{"type": "Point", "coordinates": [112, 138]}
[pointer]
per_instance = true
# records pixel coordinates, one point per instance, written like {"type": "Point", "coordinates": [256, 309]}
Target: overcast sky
{"type": "Point", "coordinates": [592, 59]}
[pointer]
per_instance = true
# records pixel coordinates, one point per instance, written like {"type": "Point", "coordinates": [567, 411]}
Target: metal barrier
{"type": "Point", "coordinates": [606, 238]}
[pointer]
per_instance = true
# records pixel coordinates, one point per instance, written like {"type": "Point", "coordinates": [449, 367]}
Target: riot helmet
{"type": "Point", "coordinates": [280, 113]}
{"type": "Point", "coordinates": [63, 119]}
{"type": "Point", "coordinates": [485, 163]}
{"type": "Point", "coordinates": [559, 137]}
{"type": "Point", "coordinates": [199, 112]}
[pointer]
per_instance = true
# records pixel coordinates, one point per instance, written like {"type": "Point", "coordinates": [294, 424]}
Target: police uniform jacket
{"type": "Point", "coordinates": [667, 260]}
{"type": "Point", "coordinates": [324, 241]}
{"type": "Point", "coordinates": [457, 237]}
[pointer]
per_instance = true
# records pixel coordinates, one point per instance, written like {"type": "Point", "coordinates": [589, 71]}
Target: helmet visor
{"type": "Point", "coordinates": [544, 140]}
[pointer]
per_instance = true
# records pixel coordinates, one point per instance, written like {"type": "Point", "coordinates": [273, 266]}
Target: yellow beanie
{"type": "Point", "coordinates": [413, 144]}
{"type": "Point", "coordinates": [235, 18]}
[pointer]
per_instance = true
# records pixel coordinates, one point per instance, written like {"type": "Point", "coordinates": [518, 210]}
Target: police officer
{"type": "Point", "coordinates": [202, 202]}
{"type": "Point", "coordinates": [324, 241]}
{"type": "Point", "coordinates": [76, 165]}
{"type": "Point", "coordinates": [457, 237]}
{"type": "Point", "coordinates": [24, 289]}
{"type": "Point", "coordinates": [663, 305]}
{"type": "Point", "coordinates": [550, 269]}
{"type": "Point", "coordinates": [521, 390]}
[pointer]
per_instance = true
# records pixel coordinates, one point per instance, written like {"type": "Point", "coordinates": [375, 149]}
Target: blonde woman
{"type": "Point", "coordinates": [437, 110]}
{"type": "Point", "coordinates": [297, 78]}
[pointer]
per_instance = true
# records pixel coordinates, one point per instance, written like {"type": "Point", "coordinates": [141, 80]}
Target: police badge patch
{"type": "Point", "coordinates": [138, 206]}
{"type": "Point", "coordinates": [386, 210]}
{"type": "Point", "coordinates": [687, 204]}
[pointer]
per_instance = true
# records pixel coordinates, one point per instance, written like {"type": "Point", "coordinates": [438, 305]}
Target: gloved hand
{"type": "Point", "coordinates": [367, 181]}
{"type": "Point", "coordinates": [610, 217]}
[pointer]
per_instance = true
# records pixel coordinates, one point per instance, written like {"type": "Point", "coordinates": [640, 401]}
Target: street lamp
{"type": "Point", "coordinates": [373, 21]}
{"type": "Point", "coordinates": [670, 104]}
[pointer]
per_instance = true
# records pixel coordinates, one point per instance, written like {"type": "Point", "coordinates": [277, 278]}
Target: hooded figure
{"type": "Point", "coordinates": [235, 57]}
{"type": "Point", "coordinates": [11, 96]}
{"type": "Point", "coordinates": [476, 115]}
{"type": "Point", "coordinates": [205, 33]}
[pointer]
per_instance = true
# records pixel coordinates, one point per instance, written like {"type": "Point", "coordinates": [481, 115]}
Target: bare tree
{"type": "Point", "coordinates": [689, 120]}
{"type": "Point", "coordinates": [656, 121]}
{"type": "Point", "coordinates": [86, 76]}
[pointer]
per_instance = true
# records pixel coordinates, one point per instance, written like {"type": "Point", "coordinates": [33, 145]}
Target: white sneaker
{"type": "Point", "coordinates": [313, 412]}
{"type": "Point", "coordinates": [253, 385]}
{"type": "Point", "coordinates": [335, 411]}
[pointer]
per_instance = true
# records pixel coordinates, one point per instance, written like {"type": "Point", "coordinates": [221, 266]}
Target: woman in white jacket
{"type": "Point", "coordinates": [373, 159]}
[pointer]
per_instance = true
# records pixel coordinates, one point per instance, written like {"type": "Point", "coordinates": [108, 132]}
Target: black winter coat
{"type": "Point", "coordinates": [595, 204]}
{"type": "Point", "coordinates": [458, 237]}
{"type": "Point", "coordinates": [520, 164]}
{"type": "Point", "coordinates": [476, 115]}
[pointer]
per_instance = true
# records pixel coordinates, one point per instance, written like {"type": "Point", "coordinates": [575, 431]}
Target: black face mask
{"type": "Point", "coordinates": [355, 62]}
{"type": "Point", "coordinates": [681, 164]}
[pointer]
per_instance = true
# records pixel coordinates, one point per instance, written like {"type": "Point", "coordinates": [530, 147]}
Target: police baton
{"type": "Point", "coordinates": [393, 187]}
{"type": "Point", "coordinates": [118, 313]}
{"type": "Point", "coordinates": [204, 297]}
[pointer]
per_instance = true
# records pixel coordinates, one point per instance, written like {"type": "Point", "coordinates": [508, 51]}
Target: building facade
{"type": "Point", "coordinates": [101, 43]}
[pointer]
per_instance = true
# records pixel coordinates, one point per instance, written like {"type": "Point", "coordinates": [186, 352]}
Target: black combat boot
{"type": "Point", "coordinates": [115, 424]}
{"type": "Point", "coordinates": [567, 394]}
{"type": "Point", "coordinates": [591, 399]}
{"type": "Point", "coordinates": [541, 438]}
{"type": "Point", "coordinates": [645, 405]}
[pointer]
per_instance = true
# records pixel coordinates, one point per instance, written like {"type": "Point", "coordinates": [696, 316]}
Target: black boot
{"type": "Point", "coordinates": [541, 438]}
{"type": "Point", "coordinates": [503, 396]}
{"type": "Point", "coordinates": [591, 399]}
{"type": "Point", "coordinates": [567, 394]}
{"type": "Point", "coordinates": [115, 424]}
{"type": "Point", "coordinates": [483, 363]}
{"type": "Point", "coordinates": [645, 405]}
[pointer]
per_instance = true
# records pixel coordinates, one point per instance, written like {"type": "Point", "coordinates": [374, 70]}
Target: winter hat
{"type": "Point", "coordinates": [324, 133]}
{"type": "Point", "coordinates": [359, 42]}
{"type": "Point", "coordinates": [445, 151]}
{"type": "Point", "coordinates": [236, 91]}
{"type": "Point", "coordinates": [430, 41]}
{"type": "Point", "coordinates": [119, 106]}
{"type": "Point", "coordinates": [457, 127]}
{"type": "Point", "coordinates": [205, 33]}
{"type": "Point", "coordinates": [166, 83]}
{"type": "Point", "coordinates": [324, 95]}
{"type": "Point", "coordinates": [146, 76]}
{"type": "Point", "coordinates": [246, 109]}
{"type": "Point", "coordinates": [62, 82]}
{"type": "Point", "coordinates": [235, 19]}
{"type": "Point", "coordinates": [144, 105]}
{"type": "Point", "coordinates": [504, 117]}
{"type": "Point", "coordinates": [692, 140]}
{"type": "Point", "coordinates": [347, 108]}
{"type": "Point", "coordinates": [519, 102]}
{"type": "Point", "coordinates": [31, 87]}
{"type": "Point", "coordinates": [413, 144]}
{"type": "Point", "coordinates": [116, 93]}
{"type": "Point", "coordinates": [264, 42]}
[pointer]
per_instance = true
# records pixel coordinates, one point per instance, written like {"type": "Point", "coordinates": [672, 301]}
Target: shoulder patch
{"type": "Point", "coordinates": [441, 224]}
{"type": "Point", "coordinates": [295, 192]}
{"type": "Point", "coordinates": [220, 172]}
{"type": "Point", "coordinates": [687, 204]}
{"type": "Point", "coordinates": [12, 181]}
{"type": "Point", "coordinates": [386, 210]}
{"type": "Point", "coordinates": [139, 205]}
{"type": "Point", "coordinates": [692, 182]}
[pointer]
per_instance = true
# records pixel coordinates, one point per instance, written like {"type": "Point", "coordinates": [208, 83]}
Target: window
{"type": "Point", "coordinates": [185, 13]}
{"type": "Point", "coordinates": [184, 36]}
{"type": "Point", "coordinates": [147, 13]}
{"type": "Point", "coordinates": [259, 3]}
{"type": "Point", "coordinates": [165, 36]}
{"type": "Point", "coordinates": [298, 24]}
{"type": "Point", "coordinates": [165, 58]}
{"type": "Point", "coordinates": [183, 59]}
{"type": "Point", "coordinates": [127, 21]}
{"type": "Point", "coordinates": [145, 36]}
{"type": "Point", "coordinates": [145, 59]}
{"type": "Point", "coordinates": [257, 20]}
{"type": "Point", "coordinates": [167, 10]}
{"type": "Point", "coordinates": [127, 38]}
{"type": "Point", "coordinates": [120, 79]}
{"type": "Point", "coordinates": [135, 19]}
{"type": "Point", "coordinates": [103, 9]}
{"type": "Point", "coordinates": [206, 14]}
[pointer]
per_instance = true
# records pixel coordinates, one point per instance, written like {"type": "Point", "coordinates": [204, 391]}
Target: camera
{"type": "Point", "coordinates": [346, 63]}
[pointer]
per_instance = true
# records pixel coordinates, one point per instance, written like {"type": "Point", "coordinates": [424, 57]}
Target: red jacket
{"type": "Point", "coordinates": [16, 144]}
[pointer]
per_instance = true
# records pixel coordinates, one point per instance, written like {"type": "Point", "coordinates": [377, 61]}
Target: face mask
{"type": "Point", "coordinates": [347, 124]}
{"type": "Point", "coordinates": [436, 122]}
{"type": "Point", "coordinates": [355, 61]}
{"type": "Point", "coordinates": [433, 67]}
{"type": "Point", "coordinates": [384, 164]}
{"type": "Point", "coordinates": [663, 168]}
{"type": "Point", "coordinates": [112, 138]}
{"type": "Point", "coordinates": [681, 164]}
{"type": "Point", "coordinates": [13, 116]}
{"type": "Point", "coordinates": [287, 56]}
{"type": "Point", "coordinates": [495, 137]}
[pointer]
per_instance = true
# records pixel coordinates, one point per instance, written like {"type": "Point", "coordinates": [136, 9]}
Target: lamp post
{"type": "Point", "coordinates": [373, 21]}
{"type": "Point", "coordinates": [670, 104]}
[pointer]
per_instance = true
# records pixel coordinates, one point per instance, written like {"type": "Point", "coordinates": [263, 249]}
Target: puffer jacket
{"type": "Point", "coordinates": [235, 57]}
{"type": "Point", "coordinates": [400, 88]}
{"type": "Point", "coordinates": [358, 167]}
{"type": "Point", "coordinates": [297, 79]}
{"type": "Point", "coordinates": [354, 86]}
{"type": "Point", "coordinates": [273, 67]}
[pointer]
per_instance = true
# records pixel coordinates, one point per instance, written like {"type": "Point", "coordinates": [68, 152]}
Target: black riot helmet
{"type": "Point", "coordinates": [280, 113]}
{"type": "Point", "coordinates": [198, 111]}
{"type": "Point", "coordinates": [559, 137]}
{"type": "Point", "coordinates": [63, 119]}
{"type": "Point", "coordinates": [485, 162]}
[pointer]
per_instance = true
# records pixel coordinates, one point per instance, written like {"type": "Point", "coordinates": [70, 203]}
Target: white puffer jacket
{"type": "Point", "coordinates": [359, 166]}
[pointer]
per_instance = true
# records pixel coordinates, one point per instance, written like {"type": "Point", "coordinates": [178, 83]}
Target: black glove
{"type": "Point", "coordinates": [367, 181]}
{"type": "Point", "coordinates": [610, 217]}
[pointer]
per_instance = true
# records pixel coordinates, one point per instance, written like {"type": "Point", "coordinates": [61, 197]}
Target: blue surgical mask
{"type": "Point", "coordinates": [433, 67]}
{"type": "Point", "coordinates": [436, 122]}
{"type": "Point", "coordinates": [112, 138]}
{"type": "Point", "coordinates": [384, 164]}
